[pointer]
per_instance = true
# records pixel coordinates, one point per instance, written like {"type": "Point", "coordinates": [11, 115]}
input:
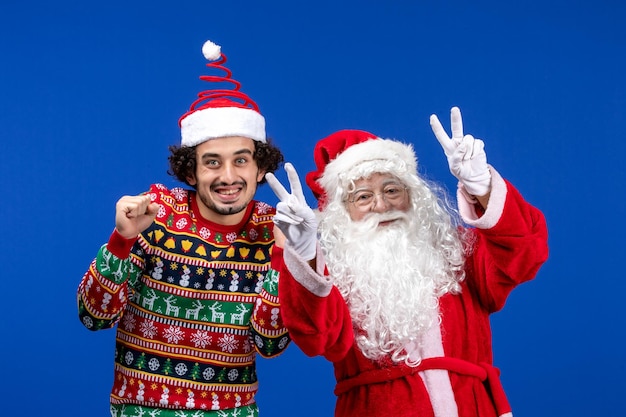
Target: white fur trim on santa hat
{"type": "Point", "coordinates": [219, 122]}
{"type": "Point", "coordinates": [365, 158]}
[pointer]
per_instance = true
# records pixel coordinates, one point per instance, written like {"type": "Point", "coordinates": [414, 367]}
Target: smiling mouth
{"type": "Point", "coordinates": [228, 194]}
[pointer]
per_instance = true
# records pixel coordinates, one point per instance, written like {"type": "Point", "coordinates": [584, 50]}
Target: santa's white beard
{"type": "Point", "coordinates": [389, 277]}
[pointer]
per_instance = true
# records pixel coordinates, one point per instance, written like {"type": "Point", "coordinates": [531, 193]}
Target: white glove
{"type": "Point", "coordinates": [293, 216]}
{"type": "Point", "coordinates": [466, 156]}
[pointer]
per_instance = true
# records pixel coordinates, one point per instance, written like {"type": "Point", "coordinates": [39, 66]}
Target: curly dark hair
{"type": "Point", "coordinates": [183, 160]}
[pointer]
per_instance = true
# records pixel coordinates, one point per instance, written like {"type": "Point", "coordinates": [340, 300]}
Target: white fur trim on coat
{"type": "Point", "coordinates": [495, 206]}
{"type": "Point", "coordinates": [314, 281]}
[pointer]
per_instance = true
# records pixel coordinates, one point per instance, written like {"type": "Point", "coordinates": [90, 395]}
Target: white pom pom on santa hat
{"type": "Point", "coordinates": [211, 51]}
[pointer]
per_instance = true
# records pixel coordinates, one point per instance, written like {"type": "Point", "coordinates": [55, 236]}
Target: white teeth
{"type": "Point", "coordinates": [228, 192]}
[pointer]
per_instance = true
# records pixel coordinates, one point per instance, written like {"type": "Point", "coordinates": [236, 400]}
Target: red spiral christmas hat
{"type": "Point", "coordinates": [220, 112]}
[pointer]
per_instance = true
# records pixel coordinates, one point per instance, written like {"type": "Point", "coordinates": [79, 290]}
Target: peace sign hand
{"type": "Point", "coordinates": [466, 156]}
{"type": "Point", "coordinates": [293, 216]}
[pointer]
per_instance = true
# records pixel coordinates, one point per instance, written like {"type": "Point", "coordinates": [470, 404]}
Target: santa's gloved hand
{"type": "Point", "coordinates": [293, 216]}
{"type": "Point", "coordinates": [466, 156]}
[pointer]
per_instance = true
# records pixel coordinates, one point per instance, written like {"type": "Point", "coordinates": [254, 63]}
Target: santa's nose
{"type": "Point", "coordinates": [379, 204]}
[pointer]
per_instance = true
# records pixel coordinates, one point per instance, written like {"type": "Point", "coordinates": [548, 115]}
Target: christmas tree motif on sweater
{"type": "Point", "coordinates": [141, 361]}
{"type": "Point", "coordinates": [195, 371]}
{"type": "Point", "coordinates": [245, 377]}
{"type": "Point", "coordinates": [167, 367]}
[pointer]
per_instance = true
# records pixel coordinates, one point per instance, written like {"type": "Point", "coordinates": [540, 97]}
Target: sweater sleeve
{"type": "Point", "coordinates": [269, 333]}
{"type": "Point", "coordinates": [104, 289]}
{"type": "Point", "coordinates": [108, 283]}
{"type": "Point", "coordinates": [314, 311]}
{"type": "Point", "coordinates": [511, 244]}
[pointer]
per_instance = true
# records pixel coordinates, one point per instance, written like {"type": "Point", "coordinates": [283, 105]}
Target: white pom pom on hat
{"type": "Point", "coordinates": [220, 112]}
{"type": "Point", "coordinates": [211, 51]}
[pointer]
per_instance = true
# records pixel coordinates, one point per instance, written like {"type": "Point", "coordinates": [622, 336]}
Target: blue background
{"type": "Point", "coordinates": [90, 96]}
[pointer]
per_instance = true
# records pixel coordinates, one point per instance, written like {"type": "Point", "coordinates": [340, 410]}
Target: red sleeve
{"type": "Point", "coordinates": [318, 324]}
{"type": "Point", "coordinates": [509, 253]}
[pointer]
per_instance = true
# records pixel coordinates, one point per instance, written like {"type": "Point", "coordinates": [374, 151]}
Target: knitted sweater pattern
{"type": "Point", "coordinates": [193, 301]}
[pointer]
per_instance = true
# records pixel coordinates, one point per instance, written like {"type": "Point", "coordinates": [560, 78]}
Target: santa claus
{"type": "Point", "coordinates": [395, 286]}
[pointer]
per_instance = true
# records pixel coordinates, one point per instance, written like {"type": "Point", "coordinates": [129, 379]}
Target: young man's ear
{"type": "Point", "coordinates": [191, 180]}
{"type": "Point", "coordinates": [260, 175]}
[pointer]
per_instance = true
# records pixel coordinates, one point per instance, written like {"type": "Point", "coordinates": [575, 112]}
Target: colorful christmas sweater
{"type": "Point", "coordinates": [456, 376]}
{"type": "Point", "coordinates": [193, 301]}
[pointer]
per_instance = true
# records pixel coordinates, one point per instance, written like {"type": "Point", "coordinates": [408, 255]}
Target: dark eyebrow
{"type": "Point", "coordinates": [217, 155]}
{"type": "Point", "coordinates": [243, 151]}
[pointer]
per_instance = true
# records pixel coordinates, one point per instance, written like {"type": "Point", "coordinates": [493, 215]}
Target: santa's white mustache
{"type": "Point", "coordinates": [372, 220]}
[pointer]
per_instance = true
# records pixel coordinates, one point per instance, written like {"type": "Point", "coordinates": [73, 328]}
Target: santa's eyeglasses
{"type": "Point", "coordinates": [366, 200]}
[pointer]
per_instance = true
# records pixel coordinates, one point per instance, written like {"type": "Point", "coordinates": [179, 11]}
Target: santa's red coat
{"type": "Point", "coordinates": [457, 377]}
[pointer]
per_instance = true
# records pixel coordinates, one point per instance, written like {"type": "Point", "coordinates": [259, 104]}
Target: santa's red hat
{"type": "Point", "coordinates": [220, 112]}
{"type": "Point", "coordinates": [348, 155]}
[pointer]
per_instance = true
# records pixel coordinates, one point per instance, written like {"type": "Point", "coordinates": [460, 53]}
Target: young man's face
{"type": "Point", "coordinates": [226, 178]}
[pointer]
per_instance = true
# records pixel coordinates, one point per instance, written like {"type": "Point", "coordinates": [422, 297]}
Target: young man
{"type": "Point", "coordinates": [401, 303]}
{"type": "Point", "coordinates": [183, 274]}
